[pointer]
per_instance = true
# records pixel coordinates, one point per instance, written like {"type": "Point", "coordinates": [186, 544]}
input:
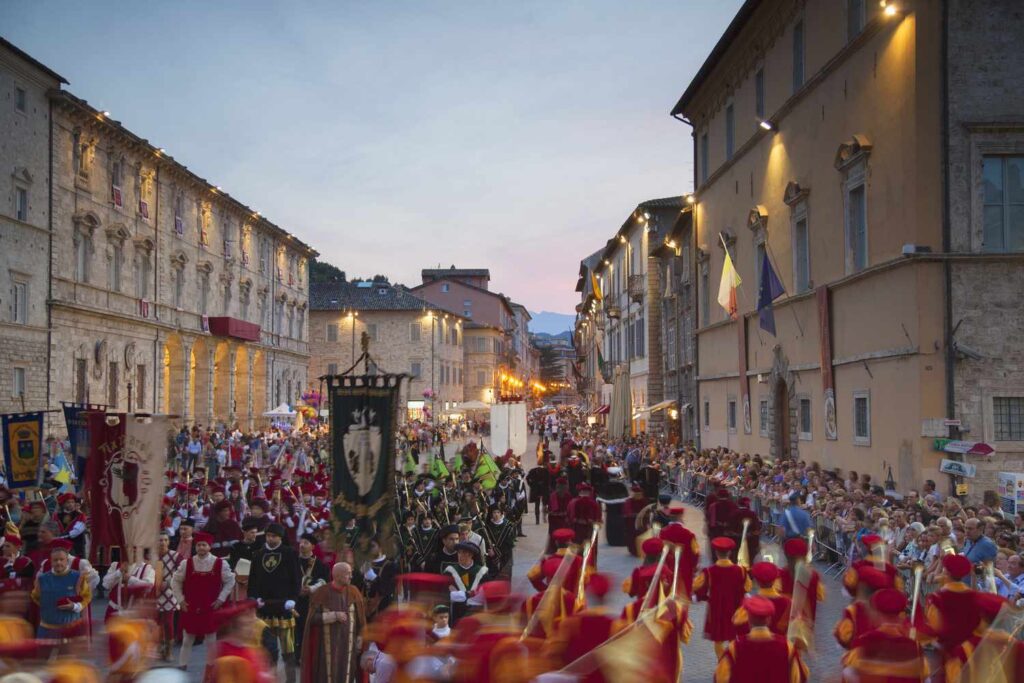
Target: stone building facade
{"type": "Point", "coordinates": [407, 334]}
{"type": "Point", "coordinates": [874, 156]}
{"type": "Point", "coordinates": [483, 353]}
{"type": "Point", "coordinates": [24, 228]}
{"type": "Point", "coordinates": [134, 283]}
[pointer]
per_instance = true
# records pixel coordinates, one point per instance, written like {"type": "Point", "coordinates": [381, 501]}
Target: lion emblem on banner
{"type": "Point", "coordinates": [362, 443]}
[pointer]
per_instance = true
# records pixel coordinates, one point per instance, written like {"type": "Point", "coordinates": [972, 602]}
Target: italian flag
{"type": "Point", "coordinates": [730, 281]}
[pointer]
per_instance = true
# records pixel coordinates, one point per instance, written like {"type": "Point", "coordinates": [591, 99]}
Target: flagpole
{"type": "Point", "coordinates": [771, 256]}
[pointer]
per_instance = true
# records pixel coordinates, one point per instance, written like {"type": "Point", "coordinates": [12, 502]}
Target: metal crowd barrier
{"type": "Point", "coordinates": [832, 545]}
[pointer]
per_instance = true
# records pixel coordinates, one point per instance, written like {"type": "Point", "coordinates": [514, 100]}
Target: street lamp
{"type": "Point", "coordinates": [352, 318]}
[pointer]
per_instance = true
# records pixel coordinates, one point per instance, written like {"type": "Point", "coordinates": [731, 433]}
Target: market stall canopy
{"type": "Point", "coordinates": [603, 410]}
{"type": "Point", "coordinates": [472, 405]}
{"type": "Point", "coordinates": [281, 411]}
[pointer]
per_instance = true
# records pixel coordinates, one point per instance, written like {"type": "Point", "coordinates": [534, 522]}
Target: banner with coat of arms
{"type": "Point", "coordinates": [23, 447]}
{"type": "Point", "coordinates": [125, 483]}
{"type": "Point", "coordinates": [364, 418]}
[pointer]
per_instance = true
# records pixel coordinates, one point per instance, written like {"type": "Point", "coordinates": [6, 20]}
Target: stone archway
{"type": "Point", "coordinates": [241, 407]}
{"type": "Point", "coordinates": [202, 383]}
{"type": "Point", "coordinates": [259, 386]}
{"type": "Point", "coordinates": [222, 371]}
{"type": "Point", "coordinates": [782, 408]}
{"type": "Point", "coordinates": [173, 394]}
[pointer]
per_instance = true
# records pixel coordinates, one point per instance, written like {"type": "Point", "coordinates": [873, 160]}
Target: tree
{"type": "Point", "coordinates": [321, 271]}
{"type": "Point", "coordinates": [551, 366]}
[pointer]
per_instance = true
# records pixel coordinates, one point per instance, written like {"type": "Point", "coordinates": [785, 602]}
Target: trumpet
{"type": "Point", "coordinates": [918, 575]}
{"type": "Point", "coordinates": [810, 546]}
{"type": "Point", "coordinates": [988, 570]}
{"type": "Point", "coordinates": [946, 546]}
{"type": "Point", "coordinates": [588, 547]}
{"type": "Point", "coordinates": [743, 555]}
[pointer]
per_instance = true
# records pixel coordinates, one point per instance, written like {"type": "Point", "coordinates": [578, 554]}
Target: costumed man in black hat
{"type": "Point", "coordinates": [539, 481]}
{"type": "Point", "coordinates": [465, 577]}
{"type": "Point", "coordinates": [502, 541]}
{"type": "Point", "coordinates": [314, 575]}
{"type": "Point", "coordinates": [445, 555]}
{"type": "Point", "coordinates": [275, 584]}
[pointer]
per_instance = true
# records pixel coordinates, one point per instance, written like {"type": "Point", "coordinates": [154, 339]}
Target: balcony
{"type": "Point", "coordinates": [637, 287]}
{"type": "Point", "coordinates": [612, 310]}
{"type": "Point", "coordinates": [609, 368]}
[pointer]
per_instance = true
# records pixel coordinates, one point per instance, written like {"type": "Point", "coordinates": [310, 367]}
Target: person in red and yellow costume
{"type": "Point", "coordinates": [552, 604]}
{"type": "Point", "coordinates": [722, 586]}
{"type": "Point", "coordinates": [561, 538]}
{"type": "Point", "coordinates": [578, 635]}
{"type": "Point", "coordinates": [399, 634]}
{"type": "Point", "coordinates": [558, 510]}
{"type": "Point", "coordinates": [719, 514]}
{"type": "Point", "coordinates": [498, 622]}
{"type": "Point", "coordinates": [876, 558]}
{"type": "Point", "coordinates": [584, 513]}
{"type": "Point", "coordinates": [16, 570]}
{"type": "Point", "coordinates": [742, 512]}
{"type": "Point", "coordinates": [681, 539]}
{"type": "Point", "coordinates": [795, 550]}
{"type": "Point", "coordinates": [951, 613]}
{"type": "Point", "coordinates": [858, 617]}
{"type": "Point", "coordinates": [991, 653]}
{"type": "Point", "coordinates": [766, 575]}
{"type": "Point", "coordinates": [63, 596]}
{"type": "Point", "coordinates": [887, 653]}
{"type": "Point", "coordinates": [201, 585]}
{"type": "Point", "coordinates": [131, 638]}
{"type": "Point", "coordinates": [636, 584]}
{"type": "Point", "coordinates": [238, 657]}
{"type": "Point", "coordinates": [761, 655]}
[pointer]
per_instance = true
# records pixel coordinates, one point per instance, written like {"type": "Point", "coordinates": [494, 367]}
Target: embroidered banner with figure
{"type": "Point", "coordinates": [23, 446]}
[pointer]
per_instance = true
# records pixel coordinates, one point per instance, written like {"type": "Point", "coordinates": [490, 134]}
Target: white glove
{"type": "Point", "coordinates": [458, 596]}
{"type": "Point", "coordinates": [259, 602]}
{"type": "Point", "coordinates": [289, 605]}
{"type": "Point", "coordinates": [370, 574]}
{"type": "Point", "coordinates": [77, 607]}
{"type": "Point", "coordinates": [330, 617]}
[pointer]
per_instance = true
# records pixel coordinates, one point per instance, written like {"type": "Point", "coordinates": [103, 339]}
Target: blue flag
{"type": "Point", "coordinates": [768, 290]}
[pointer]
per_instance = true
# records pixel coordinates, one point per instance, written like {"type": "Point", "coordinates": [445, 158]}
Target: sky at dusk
{"type": "Point", "coordinates": [394, 136]}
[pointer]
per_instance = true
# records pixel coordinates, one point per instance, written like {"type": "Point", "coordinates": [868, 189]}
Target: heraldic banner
{"type": "Point", "coordinates": [75, 417]}
{"type": "Point", "coordinates": [125, 483]}
{"type": "Point", "coordinates": [23, 446]}
{"type": "Point", "coordinates": [364, 420]}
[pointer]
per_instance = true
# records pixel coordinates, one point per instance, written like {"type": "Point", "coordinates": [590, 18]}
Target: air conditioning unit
{"type": "Point", "coordinates": [911, 249]}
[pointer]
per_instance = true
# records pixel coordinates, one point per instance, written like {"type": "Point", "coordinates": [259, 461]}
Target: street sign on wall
{"type": "Point", "coordinates": [961, 469]}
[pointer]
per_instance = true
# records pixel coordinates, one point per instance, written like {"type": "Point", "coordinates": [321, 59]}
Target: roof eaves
{"type": "Point", "coordinates": [33, 61]}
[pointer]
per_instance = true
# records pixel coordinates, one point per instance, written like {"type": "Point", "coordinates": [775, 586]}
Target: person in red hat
{"type": "Point", "coordinates": [201, 585]}
{"type": "Point", "coordinates": [813, 590]}
{"type": "Point", "coordinates": [125, 587]}
{"type": "Point", "coordinates": [634, 586]}
{"type": "Point", "coordinates": [636, 502]}
{"type": "Point", "coordinates": [766, 575]}
{"type": "Point", "coordinates": [858, 617]}
{"type": "Point", "coordinates": [47, 536]}
{"type": "Point", "coordinates": [32, 517]}
{"type": "Point", "coordinates": [72, 522]}
{"type": "Point", "coordinates": [16, 570]}
{"type": "Point", "coordinates": [887, 653]}
{"type": "Point", "coordinates": [63, 595]}
{"type": "Point", "coordinates": [579, 634]}
{"type": "Point", "coordinates": [951, 613]}
{"type": "Point", "coordinates": [722, 586]}
{"type": "Point", "coordinates": [761, 655]}
{"type": "Point", "coordinates": [584, 513]}
{"type": "Point", "coordinates": [552, 603]}
{"type": "Point", "coordinates": [991, 651]}
{"type": "Point", "coordinates": [685, 541]}
{"type": "Point", "coordinates": [876, 556]}
{"type": "Point", "coordinates": [719, 513]}
{"type": "Point", "coordinates": [237, 658]}
{"type": "Point", "coordinates": [558, 510]}
{"type": "Point", "coordinates": [562, 538]}
{"type": "Point", "coordinates": [744, 512]}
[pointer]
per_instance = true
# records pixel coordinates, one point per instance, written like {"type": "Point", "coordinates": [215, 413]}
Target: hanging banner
{"type": "Point", "coordinates": [825, 347]}
{"type": "Point", "coordinates": [741, 328]}
{"type": "Point", "coordinates": [364, 413]}
{"type": "Point", "coordinates": [125, 473]}
{"type": "Point", "coordinates": [78, 435]}
{"type": "Point", "coordinates": [23, 447]}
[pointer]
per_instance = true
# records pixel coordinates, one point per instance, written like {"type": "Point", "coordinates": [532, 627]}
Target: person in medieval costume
{"type": "Point", "coordinates": [63, 596]}
{"type": "Point", "coordinates": [331, 642]}
{"type": "Point", "coordinates": [275, 582]}
{"type": "Point", "coordinates": [125, 587]}
{"type": "Point", "coordinates": [314, 575]}
{"type": "Point", "coordinates": [201, 585]}
{"type": "Point", "coordinates": [166, 605]}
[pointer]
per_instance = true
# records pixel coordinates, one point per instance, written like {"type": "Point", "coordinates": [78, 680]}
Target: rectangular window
{"type": "Point", "coordinates": [332, 368]}
{"type": "Point", "coordinates": [415, 331]}
{"type": "Point", "coordinates": [1008, 418]}
{"type": "Point", "coordinates": [641, 338]}
{"type": "Point", "coordinates": [116, 257]}
{"type": "Point", "coordinates": [179, 215]}
{"type": "Point", "coordinates": [179, 287]}
{"type": "Point", "coordinates": [763, 417]}
{"type": "Point", "coordinates": [83, 245]}
{"type": "Point", "coordinates": [704, 158]}
{"type": "Point", "coordinates": [854, 18]}
{"type": "Point", "coordinates": [1003, 179]}
{"type": "Point", "coordinates": [20, 99]}
{"type": "Point", "coordinates": [21, 204]}
{"type": "Point", "coordinates": [445, 287]}
{"type": "Point", "coordinates": [801, 254]}
{"type": "Point", "coordinates": [861, 418]}
{"type": "Point", "coordinates": [204, 294]}
{"type": "Point", "coordinates": [112, 384]}
{"type": "Point", "coordinates": [18, 382]}
{"type": "Point", "coordinates": [731, 406]}
{"type": "Point", "coordinates": [416, 369]}
{"type": "Point", "coordinates": [81, 380]}
{"type": "Point", "coordinates": [759, 94]}
{"type": "Point", "coordinates": [332, 332]}
{"type": "Point", "coordinates": [805, 419]}
{"type": "Point", "coordinates": [707, 414]}
{"type": "Point", "coordinates": [730, 126]}
{"type": "Point", "coordinates": [115, 184]}
{"type": "Point", "coordinates": [857, 228]}
{"type": "Point", "coordinates": [371, 329]}
{"type": "Point", "coordinates": [467, 303]}
{"type": "Point", "coordinates": [798, 55]}
{"type": "Point", "coordinates": [140, 387]}
{"type": "Point", "coordinates": [20, 303]}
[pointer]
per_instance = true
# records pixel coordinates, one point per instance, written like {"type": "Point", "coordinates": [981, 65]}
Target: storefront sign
{"type": "Point", "coordinates": [962, 469]}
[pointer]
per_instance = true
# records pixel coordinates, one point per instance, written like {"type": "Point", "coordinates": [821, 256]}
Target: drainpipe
{"type": "Point", "coordinates": [947, 241]}
{"type": "Point", "coordinates": [49, 260]}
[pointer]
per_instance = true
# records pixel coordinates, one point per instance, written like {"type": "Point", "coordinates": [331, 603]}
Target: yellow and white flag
{"type": "Point", "coordinates": [727, 289]}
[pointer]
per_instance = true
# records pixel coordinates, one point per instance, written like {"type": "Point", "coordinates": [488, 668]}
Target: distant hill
{"type": "Point", "coordinates": [551, 323]}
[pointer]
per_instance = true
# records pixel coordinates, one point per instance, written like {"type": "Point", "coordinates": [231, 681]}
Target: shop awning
{"type": "Point", "coordinates": [662, 405]}
{"type": "Point", "coordinates": [603, 410]}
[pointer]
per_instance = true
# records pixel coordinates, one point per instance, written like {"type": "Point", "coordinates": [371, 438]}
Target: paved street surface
{"type": "Point", "coordinates": [698, 656]}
